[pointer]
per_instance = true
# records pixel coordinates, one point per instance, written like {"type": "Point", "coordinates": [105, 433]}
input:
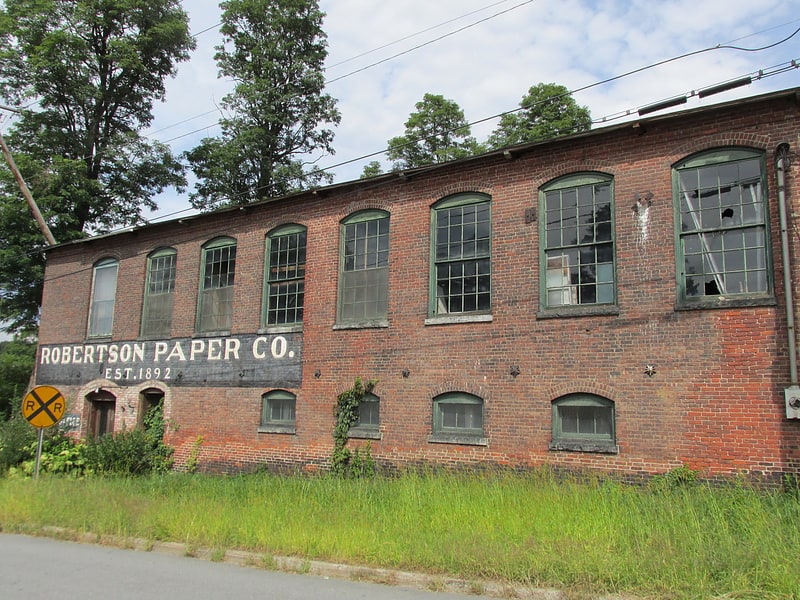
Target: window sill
{"type": "Point", "coordinates": [364, 434]}
{"type": "Point", "coordinates": [374, 324]}
{"type": "Point", "coordinates": [592, 310]}
{"type": "Point", "coordinates": [597, 447]}
{"type": "Point", "coordinates": [463, 439]}
{"type": "Point", "coordinates": [98, 338]}
{"type": "Point", "coordinates": [459, 318]}
{"type": "Point", "coordinates": [713, 302]}
{"type": "Point", "coordinates": [275, 428]}
{"type": "Point", "coordinates": [212, 334]}
{"type": "Point", "coordinates": [275, 329]}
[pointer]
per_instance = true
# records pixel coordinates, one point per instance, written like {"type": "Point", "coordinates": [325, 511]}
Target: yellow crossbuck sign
{"type": "Point", "coordinates": [43, 406]}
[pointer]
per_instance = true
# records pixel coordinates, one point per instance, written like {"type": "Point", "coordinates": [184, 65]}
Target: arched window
{"type": "Point", "coordinates": [215, 305]}
{"type": "Point", "coordinates": [458, 418]}
{"type": "Point", "coordinates": [577, 229]}
{"type": "Point", "coordinates": [159, 292]}
{"type": "Point", "coordinates": [278, 412]}
{"type": "Point", "coordinates": [285, 276]}
{"type": "Point", "coordinates": [461, 255]}
{"type": "Point", "coordinates": [722, 236]}
{"type": "Point", "coordinates": [369, 418]}
{"type": "Point", "coordinates": [364, 268]}
{"type": "Point", "coordinates": [584, 422]}
{"type": "Point", "coordinates": [104, 291]}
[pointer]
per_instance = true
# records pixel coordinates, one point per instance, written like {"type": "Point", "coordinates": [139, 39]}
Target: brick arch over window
{"type": "Point", "coordinates": [719, 140]}
{"type": "Point", "coordinates": [461, 386]}
{"type": "Point", "coordinates": [595, 388]}
{"type": "Point", "coordinates": [575, 166]}
{"type": "Point", "coordinates": [362, 205]}
{"type": "Point", "coordinates": [464, 187]}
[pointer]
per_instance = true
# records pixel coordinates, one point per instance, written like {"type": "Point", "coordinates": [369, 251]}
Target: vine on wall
{"type": "Point", "coordinates": [345, 463]}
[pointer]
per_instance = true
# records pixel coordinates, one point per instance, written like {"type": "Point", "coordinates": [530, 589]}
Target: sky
{"type": "Point", "coordinates": [383, 56]}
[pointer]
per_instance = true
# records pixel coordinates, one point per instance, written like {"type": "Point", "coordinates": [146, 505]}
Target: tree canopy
{"type": "Point", "coordinates": [274, 120]}
{"type": "Point", "coordinates": [435, 133]}
{"type": "Point", "coordinates": [84, 75]}
{"type": "Point", "coordinates": [548, 110]}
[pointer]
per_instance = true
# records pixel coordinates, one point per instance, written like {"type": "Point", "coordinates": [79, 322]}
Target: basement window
{"type": "Point", "coordinates": [458, 419]}
{"type": "Point", "coordinates": [278, 412]}
{"type": "Point", "coordinates": [584, 423]}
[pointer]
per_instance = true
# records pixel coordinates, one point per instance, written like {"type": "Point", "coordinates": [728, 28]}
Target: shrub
{"type": "Point", "coordinates": [683, 476]}
{"type": "Point", "coordinates": [134, 452]}
{"type": "Point", "coordinates": [344, 462]}
{"type": "Point", "coordinates": [16, 437]}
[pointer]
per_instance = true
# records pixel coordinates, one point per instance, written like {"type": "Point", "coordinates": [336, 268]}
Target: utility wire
{"type": "Point", "coordinates": [202, 235]}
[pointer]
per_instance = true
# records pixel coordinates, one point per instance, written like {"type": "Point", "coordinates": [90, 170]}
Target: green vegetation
{"type": "Point", "coordinates": [685, 540]}
{"type": "Point", "coordinates": [138, 451]}
{"type": "Point", "coordinates": [358, 463]}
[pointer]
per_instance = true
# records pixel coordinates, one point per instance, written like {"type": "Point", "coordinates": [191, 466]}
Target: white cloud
{"type": "Point", "coordinates": [488, 67]}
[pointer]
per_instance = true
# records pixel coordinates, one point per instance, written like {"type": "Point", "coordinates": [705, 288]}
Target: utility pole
{"type": "Point", "coordinates": [24, 188]}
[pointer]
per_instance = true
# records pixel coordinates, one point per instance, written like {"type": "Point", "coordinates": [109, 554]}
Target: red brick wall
{"type": "Point", "coordinates": [714, 402]}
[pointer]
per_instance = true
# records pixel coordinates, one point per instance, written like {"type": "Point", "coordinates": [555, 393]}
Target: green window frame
{"type": "Point", "coordinates": [722, 215]}
{"type": "Point", "coordinates": [368, 422]}
{"type": "Point", "coordinates": [364, 268]}
{"type": "Point", "coordinates": [104, 294]}
{"type": "Point", "coordinates": [215, 304]}
{"type": "Point", "coordinates": [461, 238]}
{"type": "Point", "coordinates": [278, 412]}
{"type": "Point", "coordinates": [577, 256]}
{"type": "Point", "coordinates": [584, 422]}
{"type": "Point", "coordinates": [459, 414]}
{"type": "Point", "coordinates": [285, 276]}
{"type": "Point", "coordinates": [159, 293]}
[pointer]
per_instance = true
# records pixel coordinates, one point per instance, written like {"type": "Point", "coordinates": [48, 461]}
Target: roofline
{"type": "Point", "coordinates": [507, 152]}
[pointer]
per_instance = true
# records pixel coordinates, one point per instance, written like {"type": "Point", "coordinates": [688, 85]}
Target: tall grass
{"type": "Point", "coordinates": [682, 542]}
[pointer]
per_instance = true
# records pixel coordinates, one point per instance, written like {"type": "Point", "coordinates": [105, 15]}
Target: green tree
{"type": "Point", "coordinates": [547, 110]}
{"type": "Point", "coordinates": [274, 51]}
{"type": "Point", "coordinates": [85, 75]}
{"type": "Point", "coordinates": [16, 365]}
{"type": "Point", "coordinates": [435, 133]}
{"type": "Point", "coordinates": [371, 169]}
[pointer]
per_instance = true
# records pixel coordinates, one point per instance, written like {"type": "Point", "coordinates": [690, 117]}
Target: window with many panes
{"type": "Point", "coordinates": [104, 292]}
{"type": "Point", "coordinates": [285, 275]}
{"type": "Point", "coordinates": [159, 292]}
{"type": "Point", "coordinates": [369, 418]}
{"type": "Point", "coordinates": [462, 265]}
{"type": "Point", "coordinates": [578, 250]}
{"type": "Point", "coordinates": [215, 309]}
{"type": "Point", "coordinates": [721, 210]}
{"type": "Point", "coordinates": [458, 418]}
{"type": "Point", "coordinates": [584, 422]}
{"type": "Point", "coordinates": [364, 271]}
{"type": "Point", "coordinates": [278, 412]}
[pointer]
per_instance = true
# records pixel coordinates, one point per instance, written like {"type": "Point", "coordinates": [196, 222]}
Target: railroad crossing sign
{"type": "Point", "coordinates": [43, 406]}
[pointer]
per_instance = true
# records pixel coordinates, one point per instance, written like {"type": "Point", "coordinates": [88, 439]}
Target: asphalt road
{"type": "Point", "coordinates": [33, 568]}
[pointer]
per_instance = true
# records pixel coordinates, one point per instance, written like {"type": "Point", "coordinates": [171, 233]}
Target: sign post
{"type": "Point", "coordinates": [43, 407]}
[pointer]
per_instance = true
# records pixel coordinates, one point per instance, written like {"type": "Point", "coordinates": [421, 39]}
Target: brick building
{"type": "Point", "coordinates": [615, 299]}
